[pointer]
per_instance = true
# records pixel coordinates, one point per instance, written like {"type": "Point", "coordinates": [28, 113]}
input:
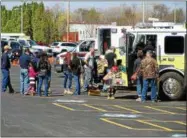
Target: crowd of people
{"type": "Point", "coordinates": [36, 69]}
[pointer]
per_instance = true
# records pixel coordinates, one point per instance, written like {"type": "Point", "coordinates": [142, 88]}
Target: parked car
{"type": "Point", "coordinates": [16, 47]}
{"type": "Point", "coordinates": [33, 46]}
{"type": "Point", "coordinates": [63, 47]}
{"type": "Point", "coordinates": [81, 49]}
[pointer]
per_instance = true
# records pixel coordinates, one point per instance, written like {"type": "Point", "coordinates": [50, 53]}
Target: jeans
{"type": "Point", "coordinates": [139, 83]}
{"type": "Point", "coordinates": [5, 79]}
{"type": "Point", "coordinates": [40, 82]}
{"type": "Point", "coordinates": [105, 86]}
{"type": "Point", "coordinates": [77, 84]}
{"type": "Point", "coordinates": [49, 79]}
{"type": "Point", "coordinates": [146, 83]}
{"type": "Point", "coordinates": [67, 77]}
{"type": "Point", "coordinates": [88, 78]}
{"type": "Point", "coordinates": [24, 80]}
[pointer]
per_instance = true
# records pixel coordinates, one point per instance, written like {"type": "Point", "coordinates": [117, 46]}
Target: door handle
{"type": "Point", "coordinates": [171, 59]}
{"type": "Point", "coordinates": [164, 59]}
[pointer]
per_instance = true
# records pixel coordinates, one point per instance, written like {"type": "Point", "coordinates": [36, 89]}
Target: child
{"type": "Point", "coordinates": [32, 79]}
{"type": "Point", "coordinates": [109, 81]}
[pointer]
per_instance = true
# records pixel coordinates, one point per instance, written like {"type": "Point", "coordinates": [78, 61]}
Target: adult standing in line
{"type": "Point", "coordinates": [43, 74]}
{"type": "Point", "coordinates": [89, 68]}
{"type": "Point", "coordinates": [24, 61]}
{"type": "Point", "coordinates": [139, 81]}
{"type": "Point", "coordinates": [76, 70]}
{"type": "Point", "coordinates": [5, 67]}
{"type": "Point", "coordinates": [110, 57]}
{"type": "Point", "coordinates": [149, 70]}
{"type": "Point", "coordinates": [67, 74]}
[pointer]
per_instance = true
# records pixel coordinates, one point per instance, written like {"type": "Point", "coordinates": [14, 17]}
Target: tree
{"type": "Point", "coordinates": [160, 11]}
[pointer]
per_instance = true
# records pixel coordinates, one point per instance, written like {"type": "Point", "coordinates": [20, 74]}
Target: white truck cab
{"type": "Point", "coordinates": [81, 49]}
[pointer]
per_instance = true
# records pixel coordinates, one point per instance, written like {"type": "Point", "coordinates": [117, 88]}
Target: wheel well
{"type": "Point", "coordinates": [170, 70]}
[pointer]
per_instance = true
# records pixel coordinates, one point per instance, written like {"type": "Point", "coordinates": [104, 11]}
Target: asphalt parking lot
{"type": "Point", "coordinates": [59, 115]}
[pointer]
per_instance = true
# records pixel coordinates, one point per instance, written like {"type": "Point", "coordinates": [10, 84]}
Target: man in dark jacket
{"type": "Point", "coordinates": [76, 70]}
{"type": "Point", "coordinates": [24, 61]}
{"type": "Point", "coordinates": [148, 47]}
{"type": "Point", "coordinates": [5, 66]}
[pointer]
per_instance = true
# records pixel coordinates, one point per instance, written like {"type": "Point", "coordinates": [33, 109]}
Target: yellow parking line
{"type": "Point", "coordinates": [128, 109]}
{"type": "Point", "coordinates": [99, 109]}
{"type": "Point", "coordinates": [181, 108]}
{"type": "Point", "coordinates": [160, 110]}
{"type": "Point", "coordinates": [114, 123]}
{"type": "Point", "coordinates": [68, 108]}
{"type": "Point", "coordinates": [179, 122]}
{"type": "Point", "coordinates": [151, 124]}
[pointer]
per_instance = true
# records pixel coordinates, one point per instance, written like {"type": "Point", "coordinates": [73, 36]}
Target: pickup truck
{"type": "Point", "coordinates": [81, 49]}
{"type": "Point", "coordinates": [33, 46]}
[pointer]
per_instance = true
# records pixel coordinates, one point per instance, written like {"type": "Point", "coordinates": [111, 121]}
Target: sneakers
{"type": "Point", "coordinates": [111, 98]}
{"type": "Point", "coordinates": [69, 92]}
{"type": "Point", "coordinates": [65, 91]}
{"type": "Point", "coordinates": [138, 99]}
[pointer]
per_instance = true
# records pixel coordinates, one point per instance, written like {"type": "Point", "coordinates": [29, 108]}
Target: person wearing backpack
{"type": "Point", "coordinates": [43, 70]}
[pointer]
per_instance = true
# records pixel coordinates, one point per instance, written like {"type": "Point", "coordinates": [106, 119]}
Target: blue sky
{"type": "Point", "coordinates": [97, 4]}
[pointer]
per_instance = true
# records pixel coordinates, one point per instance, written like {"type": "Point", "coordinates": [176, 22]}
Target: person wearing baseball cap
{"type": "Point", "coordinates": [5, 67]}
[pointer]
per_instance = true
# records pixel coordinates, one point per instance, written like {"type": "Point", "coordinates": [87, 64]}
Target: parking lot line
{"type": "Point", "coordinates": [181, 108]}
{"type": "Point", "coordinates": [157, 109]}
{"type": "Point", "coordinates": [151, 124]}
{"type": "Point", "coordinates": [96, 108]}
{"type": "Point", "coordinates": [128, 109]}
{"type": "Point", "coordinates": [114, 123]}
{"type": "Point", "coordinates": [179, 122]}
{"type": "Point", "coordinates": [65, 107]}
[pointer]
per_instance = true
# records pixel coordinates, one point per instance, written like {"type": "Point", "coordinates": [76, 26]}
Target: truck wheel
{"type": "Point", "coordinates": [171, 86]}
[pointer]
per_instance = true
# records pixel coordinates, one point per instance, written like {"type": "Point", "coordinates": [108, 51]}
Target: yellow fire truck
{"type": "Point", "coordinates": [169, 43]}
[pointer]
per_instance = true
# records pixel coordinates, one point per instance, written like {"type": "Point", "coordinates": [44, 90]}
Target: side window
{"type": "Point", "coordinates": [174, 45]}
{"type": "Point", "coordinates": [64, 44]}
{"type": "Point", "coordinates": [22, 42]}
{"type": "Point", "coordinates": [153, 39]}
{"type": "Point", "coordinates": [14, 45]}
{"type": "Point", "coordinates": [71, 45]}
{"type": "Point", "coordinates": [85, 46]}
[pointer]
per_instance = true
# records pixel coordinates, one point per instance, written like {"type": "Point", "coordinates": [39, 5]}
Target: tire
{"type": "Point", "coordinates": [171, 86]}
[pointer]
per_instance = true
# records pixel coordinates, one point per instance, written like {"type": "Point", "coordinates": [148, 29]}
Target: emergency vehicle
{"type": "Point", "coordinates": [110, 36]}
{"type": "Point", "coordinates": [169, 43]}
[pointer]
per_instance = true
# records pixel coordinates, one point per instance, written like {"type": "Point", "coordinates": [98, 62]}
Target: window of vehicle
{"type": "Point", "coordinates": [22, 42]}
{"type": "Point", "coordinates": [85, 46]}
{"type": "Point", "coordinates": [15, 45]}
{"type": "Point", "coordinates": [55, 44]}
{"type": "Point", "coordinates": [32, 43]}
{"type": "Point", "coordinates": [71, 45]}
{"type": "Point", "coordinates": [174, 45]}
{"type": "Point", "coordinates": [64, 44]}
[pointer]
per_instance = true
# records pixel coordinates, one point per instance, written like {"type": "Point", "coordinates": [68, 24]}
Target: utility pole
{"type": "Point", "coordinates": [143, 12]}
{"type": "Point", "coordinates": [22, 18]}
{"type": "Point", "coordinates": [175, 13]}
{"type": "Point", "coordinates": [68, 20]}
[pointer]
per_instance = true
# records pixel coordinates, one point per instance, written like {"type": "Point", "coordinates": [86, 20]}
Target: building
{"type": "Point", "coordinates": [84, 30]}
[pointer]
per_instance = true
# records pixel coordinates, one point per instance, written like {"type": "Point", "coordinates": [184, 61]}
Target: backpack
{"type": "Point", "coordinates": [43, 68]}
